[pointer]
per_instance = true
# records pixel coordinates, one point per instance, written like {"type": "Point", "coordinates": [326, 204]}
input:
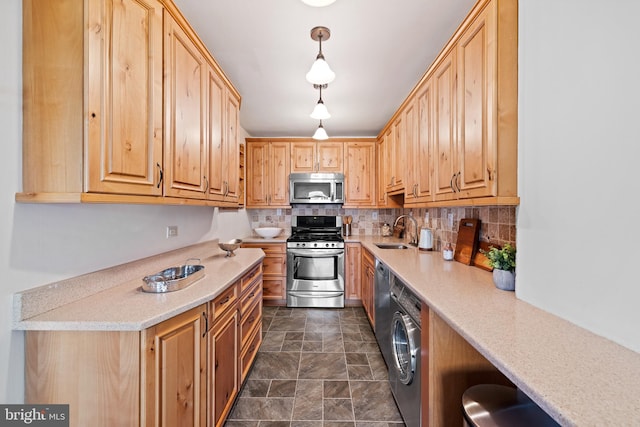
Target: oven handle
{"type": "Point", "coordinates": [319, 252]}
{"type": "Point", "coordinates": [315, 294]}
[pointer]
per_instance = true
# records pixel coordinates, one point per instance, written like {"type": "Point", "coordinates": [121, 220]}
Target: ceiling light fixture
{"type": "Point", "coordinates": [320, 111]}
{"type": "Point", "coordinates": [318, 3]}
{"type": "Point", "coordinates": [320, 72]}
{"type": "Point", "coordinates": [320, 134]}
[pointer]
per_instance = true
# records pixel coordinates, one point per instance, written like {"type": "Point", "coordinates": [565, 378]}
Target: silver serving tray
{"type": "Point", "coordinates": [172, 279]}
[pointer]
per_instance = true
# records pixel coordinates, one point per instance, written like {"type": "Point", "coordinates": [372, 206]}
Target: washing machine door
{"type": "Point", "coordinates": [404, 347]}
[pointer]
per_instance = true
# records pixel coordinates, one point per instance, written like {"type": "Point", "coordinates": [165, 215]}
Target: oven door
{"type": "Point", "coordinates": [315, 270]}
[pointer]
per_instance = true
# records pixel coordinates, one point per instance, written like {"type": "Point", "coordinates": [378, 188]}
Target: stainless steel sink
{"type": "Point", "coordinates": [173, 279]}
{"type": "Point", "coordinates": [391, 246]}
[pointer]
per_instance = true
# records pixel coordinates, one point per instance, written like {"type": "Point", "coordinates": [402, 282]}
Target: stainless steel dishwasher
{"type": "Point", "coordinates": [383, 313]}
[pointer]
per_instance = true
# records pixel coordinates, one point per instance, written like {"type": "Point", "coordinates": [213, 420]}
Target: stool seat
{"type": "Point", "coordinates": [489, 405]}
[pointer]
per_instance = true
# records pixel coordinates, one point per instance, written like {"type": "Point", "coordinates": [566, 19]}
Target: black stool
{"type": "Point", "coordinates": [492, 405]}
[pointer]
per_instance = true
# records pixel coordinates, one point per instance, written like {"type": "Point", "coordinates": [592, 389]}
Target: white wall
{"type": "Point", "coordinates": [40, 244]}
{"type": "Point", "coordinates": [579, 152]}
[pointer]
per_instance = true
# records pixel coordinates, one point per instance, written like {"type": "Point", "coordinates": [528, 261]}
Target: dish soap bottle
{"type": "Point", "coordinates": [447, 252]}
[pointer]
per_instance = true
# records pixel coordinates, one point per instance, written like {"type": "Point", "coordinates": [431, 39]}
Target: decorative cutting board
{"type": "Point", "coordinates": [467, 243]}
{"type": "Point", "coordinates": [480, 260]}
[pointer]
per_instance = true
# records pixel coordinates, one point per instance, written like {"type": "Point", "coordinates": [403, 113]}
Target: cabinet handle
{"type": "Point", "coordinates": [226, 188]}
{"type": "Point", "coordinates": [161, 175]}
{"type": "Point", "coordinates": [206, 187]}
{"type": "Point", "coordinates": [226, 300]}
{"type": "Point", "coordinates": [456, 181]}
{"type": "Point", "coordinates": [251, 319]}
{"type": "Point", "coordinates": [252, 294]}
{"type": "Point", "coordinates": [206, 324]}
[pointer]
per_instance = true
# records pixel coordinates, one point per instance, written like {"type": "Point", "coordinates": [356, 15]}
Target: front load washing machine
{"type": "Point", "coordinates": [404, 369]}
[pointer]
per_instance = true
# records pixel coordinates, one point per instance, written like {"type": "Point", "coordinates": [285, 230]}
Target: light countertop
{"type": "Point", "coordinates": [577, 377]}
{"type": "Point", "coordinates": [121, 304]}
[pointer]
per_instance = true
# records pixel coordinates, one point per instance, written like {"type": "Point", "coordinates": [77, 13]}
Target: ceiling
{"type": "Point", "coordinates": [379, 50]}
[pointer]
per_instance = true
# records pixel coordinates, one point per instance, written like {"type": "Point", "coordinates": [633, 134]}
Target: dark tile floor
{"type": "Point", "coordinates": [316, 367]}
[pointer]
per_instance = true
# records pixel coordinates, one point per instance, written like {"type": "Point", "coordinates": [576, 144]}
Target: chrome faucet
{"type": "Point", "coordinates": [414, 239]}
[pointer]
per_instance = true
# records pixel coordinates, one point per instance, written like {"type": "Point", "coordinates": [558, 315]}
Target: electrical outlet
{"type": "Point", "coordinates": [172, 231]}
{"type": "Point", "coordinates": [450, 219]}
{"type": "Point", "coordinates": [374, 215]}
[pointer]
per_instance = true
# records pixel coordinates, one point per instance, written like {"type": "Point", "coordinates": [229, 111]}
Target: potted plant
{"type": "Point", "coordinates": [503, 262]}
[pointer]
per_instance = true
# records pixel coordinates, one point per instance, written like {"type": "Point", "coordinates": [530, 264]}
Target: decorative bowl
{"type": "Point", "coordinates": [230, 246]}
{"type": "Point", "coordinates": [268, 232]}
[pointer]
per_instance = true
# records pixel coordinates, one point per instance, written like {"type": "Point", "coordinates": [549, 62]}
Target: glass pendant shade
{"type": "Point", "coordinates": [318, 3]}
{"type": "Point", "coordinates": [320, 72]}
{"type": "Point", "coordinates": [320, 112]}
{"type": "Point", "coordinates": [320, 134]}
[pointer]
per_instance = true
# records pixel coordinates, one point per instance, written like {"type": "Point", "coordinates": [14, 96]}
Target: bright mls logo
{"type": "Point", "coordinates": [34, 415]}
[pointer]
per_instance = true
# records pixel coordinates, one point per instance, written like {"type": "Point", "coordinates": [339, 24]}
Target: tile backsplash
{"type": "Point", "coordinates": [498, 223]}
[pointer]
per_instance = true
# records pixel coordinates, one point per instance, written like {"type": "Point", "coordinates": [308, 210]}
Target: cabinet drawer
{"type": "Point", "coordinates": [225, 300]}
{"type": "Point", "coordinates": [275, 265]}
{"type": "Point", "coordinates": [250, 351]}
{"type": "Point", "coordinates": [249, 279]}
{"type": "Point", "coordinates": [268, 248]}
{"type": "Point", "coordinates": [249, 322]}
{"type": "Point", "coordinates": [273, 288]}
{"type": "Point", "coordinates": [253, 294]}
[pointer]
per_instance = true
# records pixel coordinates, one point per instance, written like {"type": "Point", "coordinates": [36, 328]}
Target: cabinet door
{"type": "Point", "coordinates": [186, 155]}
{"type": "Point", "coordinates": [419, 188]}
{"type": "Point", "coordinates": [330, 156]}
{"type": "Point", "coordinates": [477, 146]}
{"type": "Point", "coordinates": [353, 270]}
{"type": "Point", "coordinates": [257, 177]}
{"type": "Point", "coordinates": [216, 134]}
{"type": "Point", "coordinates": [381, 165]}
{"type": "Point", "coordinates": [368, 277]}
{"type": "Point", "coordinates": [279, 174]}
{"type": "Point", "coordinates": [360, 180]}
{"type": "Point", "coordinates": [303, 156]}
{"type": "Point", "coordinates": [232, 146]}
{"type": "Point", "coordinates": [444, 86]}
{"type": "Point", "coordinates": [175, 371]}
{"type": "Point", "coordinates": [225, 353]}
{"type": "Point", "coordinates": [410, 148]}
{"type": "Point", "coordinates": [124, 99]}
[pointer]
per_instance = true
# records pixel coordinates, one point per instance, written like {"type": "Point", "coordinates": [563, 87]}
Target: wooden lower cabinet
{"type": "Point", "coordinates": [174, 370]}
{"type": "Point", "coordinates": [224, 348]}
{"type": "Point", "coordinates": [184, 371]}
{"type": "Point", "coordinates": [368, 289]}
{"type": "Point", "coordinates": [274, 266]}
{"type": "Point", "coordinates": [352, 273]}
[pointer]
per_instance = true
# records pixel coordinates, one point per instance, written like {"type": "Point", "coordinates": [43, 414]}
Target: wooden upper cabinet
{"type": "Point", "coordinates": [444, 86]}
{"type": "Point", "coordinates": [128, 80]}
{"type": "Point", "coordinates": [124, 106]}
{"type": "Point", "coordinates": [222, 140]}
{"type": "Point", "coordinates": [360, 177]}
{"type": "Point", "coordinates": [186, 148]}
{"type": "Point", "coordinates": [92, 95]}
{"type": "Point", "coordinates": [461, 139]}
{"type": "Point", "coordinates": [477, 107]}
{"type": "Point", "coordinates": [419, 159]}
{"type": "Point", "coordinates": [321, 156]}
{"type": "Point", "coordinates": [267, 180]}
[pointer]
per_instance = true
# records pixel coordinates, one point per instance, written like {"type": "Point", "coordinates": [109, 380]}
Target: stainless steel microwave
{"type": "Point", "coordinates": [316, 188]}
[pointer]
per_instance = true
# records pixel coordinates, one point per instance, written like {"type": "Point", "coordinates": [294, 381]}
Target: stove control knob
{"type": "Point", "coordinates": [315, 245]}
{"type": "Point", "coordinates": [302, 244]}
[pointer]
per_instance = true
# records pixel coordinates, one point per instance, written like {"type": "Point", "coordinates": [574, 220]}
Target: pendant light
{"type": "Point", "coordinates": [320, 111]}
{"type": "Point", "coordinates": [318, 3]}
{"type": "Point", "coordinates": [320, 134]}
{"type": "Point", "coordinates": [320, 72]}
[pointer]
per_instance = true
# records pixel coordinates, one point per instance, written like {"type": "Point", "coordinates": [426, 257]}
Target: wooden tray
{"type": "Point", "coordinates": [467, 243]}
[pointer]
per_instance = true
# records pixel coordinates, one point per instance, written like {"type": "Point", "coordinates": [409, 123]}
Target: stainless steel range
{"type": "Point", "coordinates": [315, 262]}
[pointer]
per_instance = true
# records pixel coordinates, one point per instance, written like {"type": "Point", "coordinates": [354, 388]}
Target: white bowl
{"type": "Point", "coordinates": [268, 232]}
